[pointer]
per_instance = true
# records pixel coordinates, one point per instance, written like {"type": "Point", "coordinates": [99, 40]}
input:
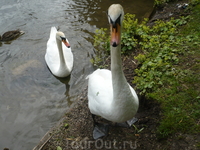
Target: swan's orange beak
{"type": "Point", "coordinates": [66, 43]}
{"type": "Point", "coordinates": [115, 35]}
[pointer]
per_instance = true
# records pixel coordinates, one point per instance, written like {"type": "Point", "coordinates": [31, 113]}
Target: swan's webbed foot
{"type": "Point", "coordinates": [128, 123]}
{"type": "Point", "coordinates": [100, 130]}
{"type": "Point", "coordinates": [132, 121]}
{"type": "Point", "coordinates": [123, 124]}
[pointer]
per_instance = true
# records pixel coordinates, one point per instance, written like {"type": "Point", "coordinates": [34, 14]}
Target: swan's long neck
{"type": "Point", "coordinates": [118, 79]}
{"type": "Point", "coordinates": [116, 63]}
{"type": "Point", "coordinates": [122, 95]}
{"type": "Point", "coordinates": [124, 103]}
{"type": "Point", "coordinates": [60, 50]}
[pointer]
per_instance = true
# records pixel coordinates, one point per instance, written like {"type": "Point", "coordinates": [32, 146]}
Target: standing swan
{"type": "Point", "coordinates": [109, 94]}
{"type": "Point", "coordinates": [59, 57]}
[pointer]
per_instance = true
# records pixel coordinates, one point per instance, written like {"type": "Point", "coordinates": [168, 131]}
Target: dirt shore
{"type": "Point", "coordinates": [74, 131]}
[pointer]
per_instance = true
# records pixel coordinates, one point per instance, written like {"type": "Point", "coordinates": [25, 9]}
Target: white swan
{"type": "Point", "coordinates": [59, 57]}
{"type": "Point", "coordinates": [109, 94]}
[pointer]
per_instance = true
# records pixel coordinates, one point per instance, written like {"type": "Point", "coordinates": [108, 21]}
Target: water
{"type": "Point", "coordinates": [32, 100]}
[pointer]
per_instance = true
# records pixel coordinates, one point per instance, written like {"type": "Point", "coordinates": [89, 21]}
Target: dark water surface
{"type": "Point", "coordinates": [32, 100]}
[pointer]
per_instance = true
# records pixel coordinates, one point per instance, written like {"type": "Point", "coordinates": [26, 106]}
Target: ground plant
{"type": "Point", "coordinates": [168, 66]}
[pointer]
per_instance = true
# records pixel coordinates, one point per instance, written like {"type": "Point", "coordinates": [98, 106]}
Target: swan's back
{"type": "Point", "coordinates": [52, 52]}
{"type": "Point", "coordinates": [53, 33]}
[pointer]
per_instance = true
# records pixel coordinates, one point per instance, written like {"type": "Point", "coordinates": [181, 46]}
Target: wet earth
{"type": "Point", "coordinates": [74, 131]}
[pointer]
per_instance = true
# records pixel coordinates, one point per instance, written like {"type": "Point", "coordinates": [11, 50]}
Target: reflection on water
{"type": "Point", "coordinates": [31, 98]}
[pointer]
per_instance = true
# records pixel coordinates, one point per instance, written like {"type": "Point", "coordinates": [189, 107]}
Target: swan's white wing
{"type": "Point", "coordinates": [134, 95]}
{"type": "Point", "coordinates": [52, 55]}
{"type": "Point", "coordinates": [100, 92]}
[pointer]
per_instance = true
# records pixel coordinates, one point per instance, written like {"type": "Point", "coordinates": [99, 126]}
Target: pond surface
{"type": "Point", "coordinates": [32, 100]}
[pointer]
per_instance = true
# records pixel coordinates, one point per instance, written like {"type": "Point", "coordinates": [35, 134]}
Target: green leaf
{"type": "Point", "coordinates": [59, 148]}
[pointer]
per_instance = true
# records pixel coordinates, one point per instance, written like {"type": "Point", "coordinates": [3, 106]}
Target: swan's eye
{"type": "Point", "coordinates": [117, 21]}
{"type": "Point", "coordinates": [62, 38]}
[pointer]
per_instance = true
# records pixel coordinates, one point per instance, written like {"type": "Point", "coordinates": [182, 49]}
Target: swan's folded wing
{"type": "Point", "coordinates": [52, 54]}
{"type": "Point", "coordinates": [100, 92]}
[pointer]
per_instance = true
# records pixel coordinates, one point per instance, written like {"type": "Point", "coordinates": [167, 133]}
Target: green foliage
{"type": "Point", "coordinates": [163, 74]}
{"type": "Point", "coordinates": [129, 29]}
{"type": "Point", "coordinates": [180, 107]}
{"type": "Point", "coordinates": [159, 2]}
{"type": "Point", "coordinates": [161, 47]}
{"type": "Point", "coordinates": [101, 45]}
{"type": "Point", "coordinates": [194, 2]}
{"type": "Point", "coordinates": [179, 95]}
{"type": "Point", "coordinates": [59, 148]}
{"type": "Point", "coordinates": [101, 40]}
{"type": "Point", "coordinates": [66, 125]}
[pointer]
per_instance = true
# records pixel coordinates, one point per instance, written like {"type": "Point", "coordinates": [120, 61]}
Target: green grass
{"type": "Point", "coordinates": [181, 101]}
{"type": "Point", "coordinates": [181, 108]}
{"type": "Point", "coordinates": [169, 69]}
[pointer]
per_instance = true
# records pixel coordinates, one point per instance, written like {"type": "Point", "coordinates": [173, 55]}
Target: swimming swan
{"type": "Point", "coordinates": [59, 57]}
{"type": "Point", "coordinates": [109, 94]}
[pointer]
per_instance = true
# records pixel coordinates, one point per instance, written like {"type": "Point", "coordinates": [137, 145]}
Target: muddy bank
{"type": "Point", "coordinates": [74, 131]}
